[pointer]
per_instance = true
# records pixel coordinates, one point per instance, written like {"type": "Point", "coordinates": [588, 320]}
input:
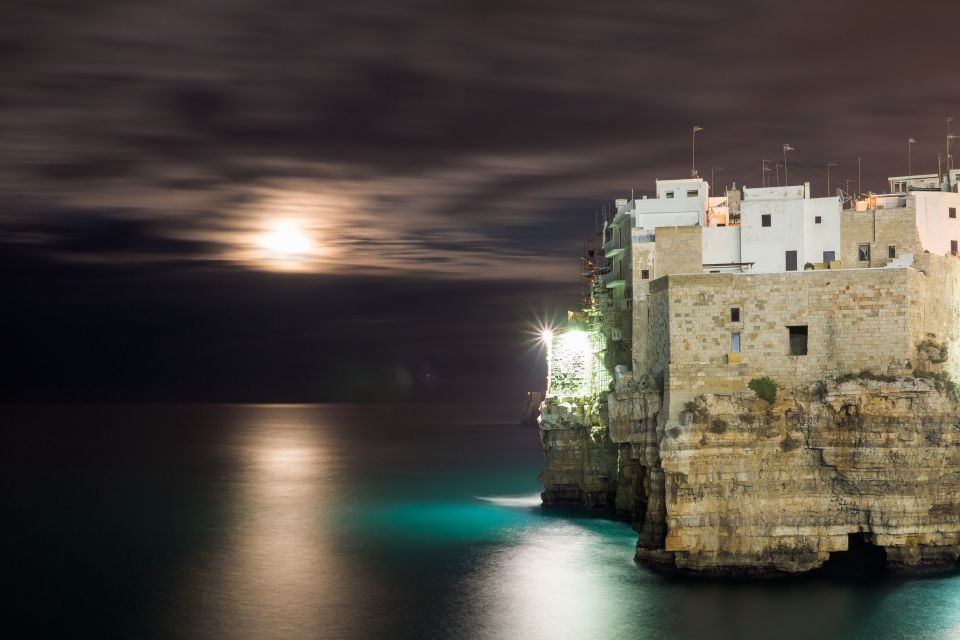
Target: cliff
{"type": "Point", "coordinates": [739, 485]}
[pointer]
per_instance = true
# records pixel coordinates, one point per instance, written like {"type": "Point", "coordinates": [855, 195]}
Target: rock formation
{"type": "Point", "coordinates": [740, 485]}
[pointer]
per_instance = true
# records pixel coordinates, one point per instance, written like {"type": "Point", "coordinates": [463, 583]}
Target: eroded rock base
{"type": "Point", "coordinates": [735, 485]}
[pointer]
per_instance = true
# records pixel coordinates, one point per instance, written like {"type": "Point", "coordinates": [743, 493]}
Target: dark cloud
{"type": "Point", "coordinates": [422, 143]}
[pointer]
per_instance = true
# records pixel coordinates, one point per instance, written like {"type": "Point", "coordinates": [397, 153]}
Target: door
{"type": "Point", "coordinates": [791, 260]}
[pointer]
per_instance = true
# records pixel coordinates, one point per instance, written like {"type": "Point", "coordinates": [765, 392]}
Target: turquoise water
{"type": "Point", "coordinates": [358, 522]}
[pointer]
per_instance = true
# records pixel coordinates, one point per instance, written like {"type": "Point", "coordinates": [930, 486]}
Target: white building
{"type": "Point", "coordinates": [780, 228]}
{"type": "Point", "coordinates": [937, 224]}
{"type": "Point", "coordinates": [902, 184]}
{"type": "Point", "coordinates": [783, 228]}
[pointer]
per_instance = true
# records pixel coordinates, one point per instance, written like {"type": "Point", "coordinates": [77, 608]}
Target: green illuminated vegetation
{"type": "Point", "coordinates": [765, 388]}
{"type": "Point", "coordinates": [866, 374]}
{"type": "Point", "coordinates": [935, 352]}
{"type": "Point", "coordinates": [941, 381]}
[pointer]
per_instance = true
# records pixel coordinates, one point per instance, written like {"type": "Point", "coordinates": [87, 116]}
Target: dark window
{"type": "Point", "coordinates": [817, 220]}
{"type": "Point", "coordinates": [891, 252]}
{"type": "Point", "coordinates": [735, 343]}
{"type": "Point", "coordinates": [692, 193]}
{"type": "Point", "coordinates": [669, 194]}
{"type": "Point", "coordinates": [791, 260]}
{"type": "Point", "coordinates": [644, 274]}
{"type": "Point", "coordinates": [735, 314]}
{"type": "Point", "coordinates": [829, 256]}
{"type": "Point", "coordinates": [863, 253]}
{"type": "Point", "coordinates": [765, 220]}
{"type": "Point", "coordinates": [798, 340]}
{"type": "Point", "coordinates": [953, 247]}
{"type": "Point", "coordinates": [953, 212]}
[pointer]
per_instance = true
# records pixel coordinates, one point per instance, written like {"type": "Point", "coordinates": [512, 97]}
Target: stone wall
{"type": "Point", "coordinates": [855, 319]}
{"type": "Point", "coordinates": [658, 330]}
{"type": "Point", "coordinates": [881, 229]}
{"type": "Point", "coordinates": [643, 260]}
{"type": "Point", "coordinates": [678, 250]}
{"type": "Point", "coordinates": [934, 312]}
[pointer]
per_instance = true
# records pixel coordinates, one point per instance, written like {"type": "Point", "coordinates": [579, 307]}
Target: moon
{"type": "Point", "coordinates": [286, 241]}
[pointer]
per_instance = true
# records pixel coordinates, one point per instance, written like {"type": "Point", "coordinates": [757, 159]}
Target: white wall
{"type": "Point", "coordinates": [934, 225]}
{"type": "Point", "coordinates": [651, 221]}
{"type": "Point", "coordinates": [680, 202]}
{"type": "Point", "coordinates": [681, 187]}
{"type": "Point", "coordinates": [721, 245]}
{"type": "Point", "coordinates": [818, 238]}
{"type": "Point", "coordinates": [766, 247]}
{"type": "Point", "coordinates": [793, 192]}
{"type": "Point", "coordinates": [792, 227]}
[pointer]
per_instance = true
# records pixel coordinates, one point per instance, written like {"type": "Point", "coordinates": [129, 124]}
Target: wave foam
{"type": "Point", "coordinates": [532, 500]}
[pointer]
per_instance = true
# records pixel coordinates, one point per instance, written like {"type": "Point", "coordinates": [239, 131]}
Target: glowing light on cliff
{"type": "Point", "coordinates": [570, 358]}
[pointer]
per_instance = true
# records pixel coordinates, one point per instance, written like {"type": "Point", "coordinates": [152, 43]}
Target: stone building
{"type": "Point", "coordinates": [848, 308]}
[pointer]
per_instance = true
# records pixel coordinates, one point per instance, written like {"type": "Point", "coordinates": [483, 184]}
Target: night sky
{"type": "Point", "coordinates": [444, 158]}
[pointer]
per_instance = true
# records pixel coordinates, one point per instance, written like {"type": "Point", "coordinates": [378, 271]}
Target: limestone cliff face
{"type": "Point", "coordinates": [739, 485]}
{"type": "Point", "coordinates": [581, 461]}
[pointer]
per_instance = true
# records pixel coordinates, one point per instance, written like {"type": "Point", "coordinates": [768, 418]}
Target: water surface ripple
{"type": "Point", "coordinates": [273, 522]}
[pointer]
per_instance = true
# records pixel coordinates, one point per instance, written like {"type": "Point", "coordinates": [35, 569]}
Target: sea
{"type": "Point", "coordinates": [270, 522]}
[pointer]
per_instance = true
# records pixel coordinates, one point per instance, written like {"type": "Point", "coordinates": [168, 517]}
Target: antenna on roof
{"type": "Point", "coordinates": [693, 152]}
{"type": "Point", "coordinates": [950, 137]}
{"type": "Point", "coordinates": [786, 148]}
{"type": "Point", "coordinates": [713, 171]}
{"type": "Point", "coordinates": [830, 164]}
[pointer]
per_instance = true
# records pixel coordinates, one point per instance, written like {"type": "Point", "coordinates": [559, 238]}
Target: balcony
{"type": "Point", "coordinates": [610, 250]}
{"type": "Point", "coordinates": [613, 281]}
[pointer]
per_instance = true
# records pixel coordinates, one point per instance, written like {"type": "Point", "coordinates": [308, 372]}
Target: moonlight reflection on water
{"type": "Point", "coordinates": [297, 522]}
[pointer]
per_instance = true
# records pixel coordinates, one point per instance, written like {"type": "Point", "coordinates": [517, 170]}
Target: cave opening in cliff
{"type": "Point", "coordinates": [863, 560]}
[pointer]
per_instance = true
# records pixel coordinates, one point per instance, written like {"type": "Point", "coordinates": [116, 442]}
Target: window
{"type": "Point", "coordinates": [817, 220]}
{"type": "Point", "coordinates": [791, 260]}
{"type": "Point", "coordinates": [734, 314]}
{"type": "Point", "coordinates": [863, 253]}
{"type": "Point", "coordinates": [734, 343]}
{"type": "Point", "coordinates": [953, 247]}
{"type": "Point", "coordinates": [892, 252]}
{"type": "Point", "coordinates": [953, 212]}
{"type": "Point", "coordinates": [669, 194]}
{"type": "Point", "coordinates": [829, 256]}
{"type": "Point", "coordinates": [692, 193]}
{"type": "Point", "coordinates": [644, 274]}
{"type": "Point", "coordinates": [798, 340]}
{"type": "Point", "coordinates": [765, 220]}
